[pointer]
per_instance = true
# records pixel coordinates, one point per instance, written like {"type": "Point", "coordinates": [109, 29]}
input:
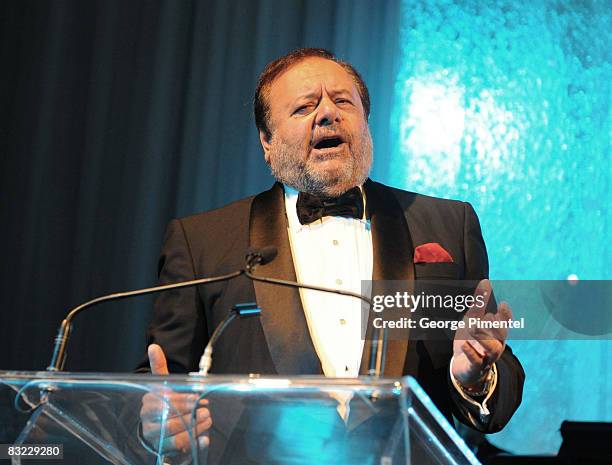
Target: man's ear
{"type": "Point", "coordinates": [264, 139]}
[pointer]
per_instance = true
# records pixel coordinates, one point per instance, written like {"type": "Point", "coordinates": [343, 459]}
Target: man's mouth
{"type": "Point", "coordinates": [329, 142]}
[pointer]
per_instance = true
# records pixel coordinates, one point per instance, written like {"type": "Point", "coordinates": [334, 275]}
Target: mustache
{"type": "Point", "coordinates": [326, 132]}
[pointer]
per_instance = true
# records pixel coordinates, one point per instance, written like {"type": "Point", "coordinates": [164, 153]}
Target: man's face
{"type": "Point", "coordinates": [320, 140]}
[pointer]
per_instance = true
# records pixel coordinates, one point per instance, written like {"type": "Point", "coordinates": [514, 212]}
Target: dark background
{"type": "Point", "coordinates": [118, 116]}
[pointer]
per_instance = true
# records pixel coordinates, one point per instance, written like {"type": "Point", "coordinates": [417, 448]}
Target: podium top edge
{"type": "Point", "coordinates": [267, 381]}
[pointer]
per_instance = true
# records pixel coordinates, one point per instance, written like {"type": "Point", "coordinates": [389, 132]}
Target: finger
{"type": "Point", "coordinates": [472, 354]}
{"type": "Point", "coordinates": [157, 360]}
{"type": "Point", "coordinates": [176, 425]}
{"type": "Point", "coordinates": [482, 333]}
{"type": "Point", "coordinates": [504, 312]}
{"type": "Point", "coordinates": [477, 346]}
{"type": "Point", "coordinates": [491, 329]}
{"type": "Point", "coordinates": [501, 334]}
{"type": "Point", "coordinates": [493, 350]}
{"type": "Point", "coordinates": [486, 329]}
{"type": "Point", "coordinates": [180, 407]}
{"type": "Point", "coordinates": [175, 404]}
{"type": "Point", "coordinates": [486, 343]}
{"type": "Point", "coordinates": [482, 294]}
{"type": "Point", "coordinates": [157, 416]}
{"type": "Point", "coordinates": [482, 362]}
{"type": "Point", "coordinates": [155, 405]}
{"type": "Point", "coordinates": [182, 442]}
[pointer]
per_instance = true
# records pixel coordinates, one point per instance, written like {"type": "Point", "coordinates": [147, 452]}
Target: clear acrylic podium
{"type": "Point", "coordinates": [255, 420]}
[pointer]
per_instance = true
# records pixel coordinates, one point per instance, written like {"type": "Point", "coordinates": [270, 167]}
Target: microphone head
{"type": "Point", "coordinates": [268, 254]}
{"type": "Point", "coordinates": [261, 256]}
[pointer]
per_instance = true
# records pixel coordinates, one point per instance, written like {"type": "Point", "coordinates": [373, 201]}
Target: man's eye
{"type": "Point", "coordinates": [304, 109]}
{"type": "Point", "coordinates": [342, 101]}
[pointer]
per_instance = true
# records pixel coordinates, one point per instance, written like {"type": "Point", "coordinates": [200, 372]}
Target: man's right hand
{"type": "Point", "coordinates": [178, 406]}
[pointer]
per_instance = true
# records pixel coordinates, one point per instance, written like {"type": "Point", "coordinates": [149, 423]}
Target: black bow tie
{"type": "Point", "coordinates": [312, 208]}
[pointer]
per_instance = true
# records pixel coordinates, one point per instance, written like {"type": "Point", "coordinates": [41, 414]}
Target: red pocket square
{"type": "Point", "coordinates": [432, 252]}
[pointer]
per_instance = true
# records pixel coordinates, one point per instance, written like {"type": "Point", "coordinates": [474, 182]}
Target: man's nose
{"type": "Point", "coordinates": [328, 113]}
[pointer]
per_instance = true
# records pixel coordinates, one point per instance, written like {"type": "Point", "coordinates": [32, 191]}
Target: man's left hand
{"type": "Point", "coordinates": [475, 349]}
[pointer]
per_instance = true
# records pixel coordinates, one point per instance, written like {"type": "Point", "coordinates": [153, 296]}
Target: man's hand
{"type": "Point", "coordinates": [475, 350]}
{"type": "Point", "coordinates": [178, 407]}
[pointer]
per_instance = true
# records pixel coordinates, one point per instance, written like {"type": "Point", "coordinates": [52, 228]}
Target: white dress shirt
{"type": "Point", "coordinates": [333, 252]}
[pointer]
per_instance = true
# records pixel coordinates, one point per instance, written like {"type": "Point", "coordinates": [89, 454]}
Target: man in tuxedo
{"type": "Point", "coordinates": [331, 226]}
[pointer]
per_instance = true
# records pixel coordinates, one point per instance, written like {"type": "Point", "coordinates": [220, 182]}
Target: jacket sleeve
{"type": "Point", "coordinates": [508, 393]}
{"type": "Point", "coordinates": [178, 324]}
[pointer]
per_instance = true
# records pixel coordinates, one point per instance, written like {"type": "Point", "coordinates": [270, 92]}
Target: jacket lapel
{"type": "Point", "coordinates": [393, 260]}
{"type": "Point", "coordinates": [282, 316]}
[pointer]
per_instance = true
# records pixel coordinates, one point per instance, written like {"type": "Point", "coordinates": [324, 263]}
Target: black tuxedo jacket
{"type": "Point", "coordinates": [215, 242]}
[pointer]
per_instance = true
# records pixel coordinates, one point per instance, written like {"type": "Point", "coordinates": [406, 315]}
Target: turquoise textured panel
{"type": "Point", "coordinates": [507, 105]}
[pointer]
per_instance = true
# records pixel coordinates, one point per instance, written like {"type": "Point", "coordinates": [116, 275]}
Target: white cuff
{"type": "Point", "coordinates": [482, 407]}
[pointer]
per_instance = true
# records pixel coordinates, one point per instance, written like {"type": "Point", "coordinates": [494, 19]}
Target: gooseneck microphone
{"type": "Point", "coordinates": [254, 258]}
{"type": "Point", "coordinates": [58, 359]}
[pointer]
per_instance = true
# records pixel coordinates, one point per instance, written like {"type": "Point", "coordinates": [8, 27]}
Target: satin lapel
{"type": "Point", "coordinates": [393, 260]}
{"type": "Point", "coordinates": [282, 316]}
